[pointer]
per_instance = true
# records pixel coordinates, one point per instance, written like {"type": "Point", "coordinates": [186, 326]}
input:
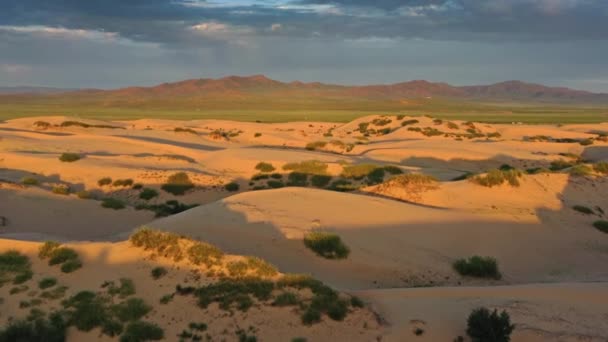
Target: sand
{"type": "Point", "coordinates": [551, 257]}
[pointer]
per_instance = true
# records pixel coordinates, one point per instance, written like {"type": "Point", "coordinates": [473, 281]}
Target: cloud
{"type": "Point", "coordinates": [15, 68]}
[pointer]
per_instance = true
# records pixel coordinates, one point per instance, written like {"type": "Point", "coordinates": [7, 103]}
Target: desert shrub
{"type": "Point", "coordinates": [83, 194]}
{"type": "Point", "coordinates": [23, 276]}
{"type": "Point", "coordinates": [260, 176]}
{"type": "Point", "coordinates": [561, 164]}
{"type": "Point", "coordinates": [452, 125]}
{"type": "Point", "coordinates": [170, 207]}
{"type": "Point", "coordinates": [583, 209]}
{"type": "Point", "coordinates": [158, 272]}
{"type": "Point", "coordinates": [61, 255]}
{"type": "Point", "coordinates": [71, 266]}
{"type": "Point", "coordinates": [276, 176]}
{"type": "Point", "coordinates": [393, 170]}
{"type": "Point", "coordinates": [537, 170]}
{"type": "Point", "coordinates": [123, 182]}
{"type": "Point", "coordinates": [148, 194]}
{"type": "Point", "coordinates": [356, 302]}
{"type": "Point", "coordinates": [376, 176]}
{"type": "Point", "coordinates": [359, 171]}
{"type": "Point", "coordinates": [13, 262]}
{"type": "Point", "coordinates": [342, 185]}
{"type": "Point", "coordinates": [264, 167]}
{"type": "Point", "coordinates": [437, 121]}
{"type": "Point", "coordinates": [498, 177]}
{"type": "Point", "coordinates": [47, 248]}
{"type": "Point", "coordinates": [409, 122]}
{"type": "Point", "coordinates": [493, 135]}
{"type": "Point", "coordinates": [363, 126]}
{"type": "Point", "coordinates": [260, 267]}
{"type": "Point", "coordinates": [274, 184]}
{"type": "Point", "coordinates": [580, 170]}
{"type": "Point", "coordinates": [164, 243]}
{"type": "Point", "coordinates": [45, 283]}
{"type": "Point", "coordinates": [315, 145]}
{"type": "Point", "coordinates": [311, 316]}
{"type": "Point", "coordinates": [601, 167]}
{"type": "Point", "coordinates": [232, 186]}
{"type": "Point", "coordinates": [42, 124]}
{"type": "Point", "coordinates": [477, 266]}
{"type": "Point", "coordinates": [601, 225]}
{"type": "Point", "coordinates": [69, 157]}
{"type": "Point", "coordinates": [87, 310]}
{"type": "Point", "coordinates": [131, 309]}
{"type": "Point", "coordinates": [112, 203]}
{"type": "Point", "coordinates": [61, 189]}
{"type": "Point", "coordinates": [126, 288]}
{"type": "Point", "coordinates": [166, 299]}
{"type": "Point", "coordinates": [35, 330]}
{"type": "Point", "coordinates": [486, 326]}
{"type": "Point", "coordinates": [381, 121]}
{"type": "Point", "coordinates": [55, 293]}
{"type": "Point", "coordinates": [320, 181]}
{"type": "Point", "coordinates": [140, 331]}
{"type": "Point", "coordinates": [313, 167]}
{"type": "Point", "coordinates": [286, 299]}
{"type": "Point", "coordinates": [204, 253]}
{"type": "Point", "coordinates": [184, 130]}
{"type": "Point", "coordinates": [586, 142]}
{"type": "Point", "coordinates": [178, 184]}
{"type": "Point", "coordinates": [230, 293]}
{"type": "Point", "coordinates": [297, 179]}
{"type": "Point", "coordinates": [327, 245]}
{"type": "Point", "coordinates": [104, 181]}
{"type": "Point", "coordinates": [29, 181]}
{"type": "Point", "coordinates": [257, 135]}
{"type": "Point", "coordinates": [137, 186]}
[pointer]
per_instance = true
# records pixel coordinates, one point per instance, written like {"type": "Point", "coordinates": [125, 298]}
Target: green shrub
{"type": "Point", "coordinates": [104, 181]}
{"type": "Point", "coordinates": [34, 330]}
{"type": "Point", "coordinates": [137, 186]}
{"type": "Point", "coordinates": [583, 209]}
{"type": "Point", "coordinates": [276, 176]}
{"type": "Point", "coordinates": [257, 135]}
{"type": "Point", "coordinates": [342, 185]}
{"type": "Point", "coordinates": [55, 293]}
{"type": "Point", "coordinates": [356, 302]}
{"type": "Point", "coordinates": [166, 299]}
{"type": "Point", "coordinates": [486, 326]}
{"type": "Point", "coordinates": [29, 181]}
{"type": "Point", "coordinates": [140, 331]}
{"type": "Point", "coordinates": [184, 130]}
{"type": "Point", "coordinates": [260, 176]}
{"type": "Point", "coordinates": [45, 283]}
{"type": "Point", "coordinates": [88, 310]}
{"type": "Point", "coordinates": [311, 316]}
{"type": "Point", "coordinates": [580, 170]}
{"type": "Point", "coordinates": [112, 203]}
{"type": "Point", "coordinates": [23, 276]}
{"type": "Point", "coordinates": [83, 194]}
{"type": "Point", "coordinates": [409, 122]}
{"type": "Point", "coordinates": [327, 245]}
{"type": "Point", "coordinates": [170, 207]}
{"type": "Point", "coordinates": [61, 255]}
{"type": "Point", "coordinates": [123, 182]}
{"type": "Point", "coordinates": [286, 299]}
{"type": "Point", "coordinates": [315, 145]}
{"type": "Point", "coordinates": [297, 179]}
{"type": "Point", "coordinates": [260, 267]}
{"type": "Point", "coordinates": [177, 184]}
{"type": "Point", "coordinates": [274, 184]}
{"type": "Point", "coordinates": [69, 157]}
{"type": "Point", "coordinates": [148, 194]}
{"type": "Point", "coordinates": [601, 167]}
{"type": "Point", "coordinates": [393, 170]}
{"type": "Point", "coordinates": [61, 189]}
{"type": "Point", "coordinates": [586, 142]}
{"type": "Point", "coordinates": [126, 288]}
{"type": "Point", "coordinates": [498, 177]}
{"type": "Point", "coordinates": [71, 266]}
{"type": "Point", "coordinates": [313, 167]}
{"type": "Point", "coordinates": [204, 253]}
{"type": "Point", "coordinates": [358, 171]}
{"type": "Point", "coordinates": [477, 266]}
{"type": "Point", "coordinates": [131, 309]}
{"type": "Point", "coordinates": [232, 186]}
{"type": "Point", "coordinates": [158, 272]}
{"type": "Point", "coordinates": [381, 121]}
{"type": "Point", "coordinates": [601, 225]}
{"type": "Point", "coordinates": [264, 167]}
{"type": "Point", "coordinates": [320, 181]}
{"type": "Point", "coordinates": [42, 124]}
{"type": "Point", "coordinates": [561, 164]}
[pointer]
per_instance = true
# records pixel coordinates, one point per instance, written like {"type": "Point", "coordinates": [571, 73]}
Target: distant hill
{"type": "Point", "coordinates": [261, 87]}
{"type": "Point", "coordinates": [33, 90]}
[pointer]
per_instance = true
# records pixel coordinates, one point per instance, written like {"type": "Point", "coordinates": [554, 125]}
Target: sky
{"type": "Point", "coordinates": [116, 43]}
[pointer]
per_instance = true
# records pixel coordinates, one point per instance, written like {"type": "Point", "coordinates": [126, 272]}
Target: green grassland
{"type": "Point", "coordinates": [297, 109]}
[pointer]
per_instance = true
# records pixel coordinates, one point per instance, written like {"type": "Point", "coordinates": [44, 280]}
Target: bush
{"type": "Point", "coordinates": [264, 167]}
{"type": "Point", "coordinates": [274, 184]}
{"type": "Point", "coordinates": [131, 309]}
{"type": "Point", "coordinates": [486, 326]}
{"type": "Point", "coordinates": [112, 203]}
{"type": "Point", "coordinates": [29, 181]}
{"type": "Point", "coordinates": [297, 179]}
{"type": "Point", "coordinates": [123, 182]}
{"type": "Point", "coordinates": [126, 288]}
{"type": "Point", "coordinates": [137, 186]}
{"type": "Point", "coordinates": [47, 248]}
{"type": "Point", "coordinates": [38, 329]}
{"type": "Point", "coordinates": [104, 181]}
{"type": "Point", "coordinates": [61, 189]}
{"type": "Point", "coordinates": [286, 299]}
{"type": "Point", "coordinates": [139, 331]}
{"type": "Point", "coordinates": [498, 177]}
{"type": "Point", "coordinates": [583, 209]}
{"type": "Point", "coordinates": [61, 255]}
{"type": "Point", "coordinates": [148, 194]}
{"type": "Point", "coordinates": [327, 245]}
{"type": "Point", "coordinates": [177, 184]}
{"type": "Point", "coordinates": [561, 164]}
{"type": "Point", "coordinates": [586, 142]}
{"type": "Point", "coordinates": [476, 266]}
{"type": "Point", "coordinates": [601, 225]}
{"type": "Point", "coordinates": [358, 171]}
{"type": "Point", "coordinates": [83, 194]}
{"type": "Point", "coordinates": [257, 135]}
{"type": "Point", "coordinates": [409, 122]}
{"type": "Point", "coordinates": [313, 167]}
{"type": "Point", "coordinates": [204, 253]}
{"type": "Point", "coordinates": [45, 283]}
{"type": "Point", "coordinates": [315, 145]}
{"type": "Point", "coordinates": [232, 186]}
{"type": "Point", "coordinates": [580, 170]}
{"type": "Point", "coordinates": [69, 157]}
{"type": "Point", "coordinates": [320, 181]}
{"type": "Point", "coordinates": [23, 276]}
{"type": "Point", "coordinates": [158, 272]}
{"type": "Point", "coordinates": [71, 266]}
{"type": "Point", "coordinates": [170, 207]}
{"type": "Point", "coordinates": [601, 167]}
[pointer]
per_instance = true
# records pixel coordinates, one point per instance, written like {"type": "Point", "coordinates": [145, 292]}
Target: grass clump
{"type": "Point", "coordinates": [52, 329]}
{"type": "Point", "coordinates": [583, 209]}
{"type": "Point", "coordinates": [112, 203]}
{"type": "Point", "coordinates": [69, 157]}
{"type": "Point", "coordinates": [498, 177]}
{"type": "Point", "coordinates": [131, 309]}
{"type": "Point", "coordinates": [297, 179]}
{"type": "Point", "coordinates": [148, 194]}
{"type": "Point", "coordinates": [315, 145]}
{"type": "Point", "coordinates": [313, 167]}
{"type": "Point", "coordinates": [158, 272]}
{"type": "Point", "coordinates": [580, 170]}
{"type": "Point", "coordinates": [320, 181]}
{"type": "Point", "coordinates": [358, 172]}
{"type": "Point", "coordinates": [601, 167]}
{"type": "Point", "coordinates": [61, 189]}
{"type": "Point", "coordinates": [123, 182]}
{"type": "Point", "coordinates": [125, 289]}
{"type": "Point", "coordinates": [71, 266]}
{"type": "Point", "coordinates": [45, 283]}
{"type": "Point", "coordinates": [14, 264]}
{"type": "Point", "coordinates": [139, 331]}
{"type": "Point", "coordinates": [164, 243]}
{"type": "Point", "coordinates": [83, 194]}
{"type": "Point", "coordinates": [232, 186]}
{"type": "Point", "coordinates": [178, 183]}
{"type": "Point", "coordinates": [29, 181]}
{"type": "Point", "coordinates": [561, 164]}
{"type": "Point", "coordinates": [601, 225]}
{"type": "Point", "coordinates": [477, 266]}
{"type": "Point", "coordinates": [275, 184]}
{"type": "Point", "coordinates": [57, 255]}
{"type": "Point", "coordinates": [327, 245]}
{"type": "Point", "coordinates": [486, 326]}
{"type": "Point", "coordinates": [264, 167]}
{"type": "Point", "coordinates": [204, 253]}
{"type": "Point", "coordinates": [286, 299]}
{"type": "Point", "coordinates": [257, 135]}
{"type": "Point", "coordinates": [104, 181]}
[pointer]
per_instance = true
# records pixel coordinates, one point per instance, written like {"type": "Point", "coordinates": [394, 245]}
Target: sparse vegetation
{"type": "Point", "coordinates": [184, 130]}
{"type": "Point", "coordinates": [123, 182]}
{"type": "Point", "coordinates": [83, 194]}
{"type": "Point", "coordinates": [581, 170]}
{"type": "Point", "coordinates": [69, 157]}
{"type": "Point", "coordinates": [232, 186]}
{"type": "Point", "coordinates": [45, 283]}
{"type": "Point", "coordinates": [264, 167]}
{"type": "Point", "coordinates": [315, 145]}
{"type": "Point", "coordinates": [257, 135]}
{"type": "Point", "coordinates": [104, 181]}
{"type": "Point", "coordinates": [320, 181]}
{"type": "Point", "coordinates": [601, 167]}
{"type": "Point", "coordinates": [61, 189]}
{"type": "Point", "coordinates": [112, 203]}
{"type": "Point", "coordinates": [313, 167]}
{"type": "Point", "coordinates": [178, 183]}
{"type": "Point", "coordinates": [170, 207]}
{"type": "Point", "coordinates": [158, 272]}
{"type": "Point", "coordinates": [409, 122]}
{"type": "Point", "coordinates": [477, 266]}
{"type": "Point", "coordinates": [140, 331]}
{"type": "Point", "coordinates": [486, 326]}
{"type": "Point", "coordinates": [148, 194]}
{"type": "Point", "coordinates": [66, 257]}
{"type": "Point", "coordinates": [498, 177]}
{"type": "Point", "coordinates": [601, 225]}
{"type": "Point", "coordinates": [583, 209]}
{"type": "Point", "coordinates": [29, 181]}
{"type": "Point", "coordinates": [327, 245]}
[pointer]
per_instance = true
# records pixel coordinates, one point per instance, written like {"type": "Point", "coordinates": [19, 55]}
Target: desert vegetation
{"type": "Point", "coordinates": [327, 245]}
{"type": "Point", "coordinates": [477, 266]}
{"type": "Point", "coordinates": [70, 157]}
{"type": "Point", "coordinates": [178, 184]}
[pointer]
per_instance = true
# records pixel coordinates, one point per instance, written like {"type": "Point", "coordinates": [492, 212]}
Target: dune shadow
{"type": "Point", "coordinates": [173, 143]}
{"type": "Point", "coordinates": [58, 134]}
